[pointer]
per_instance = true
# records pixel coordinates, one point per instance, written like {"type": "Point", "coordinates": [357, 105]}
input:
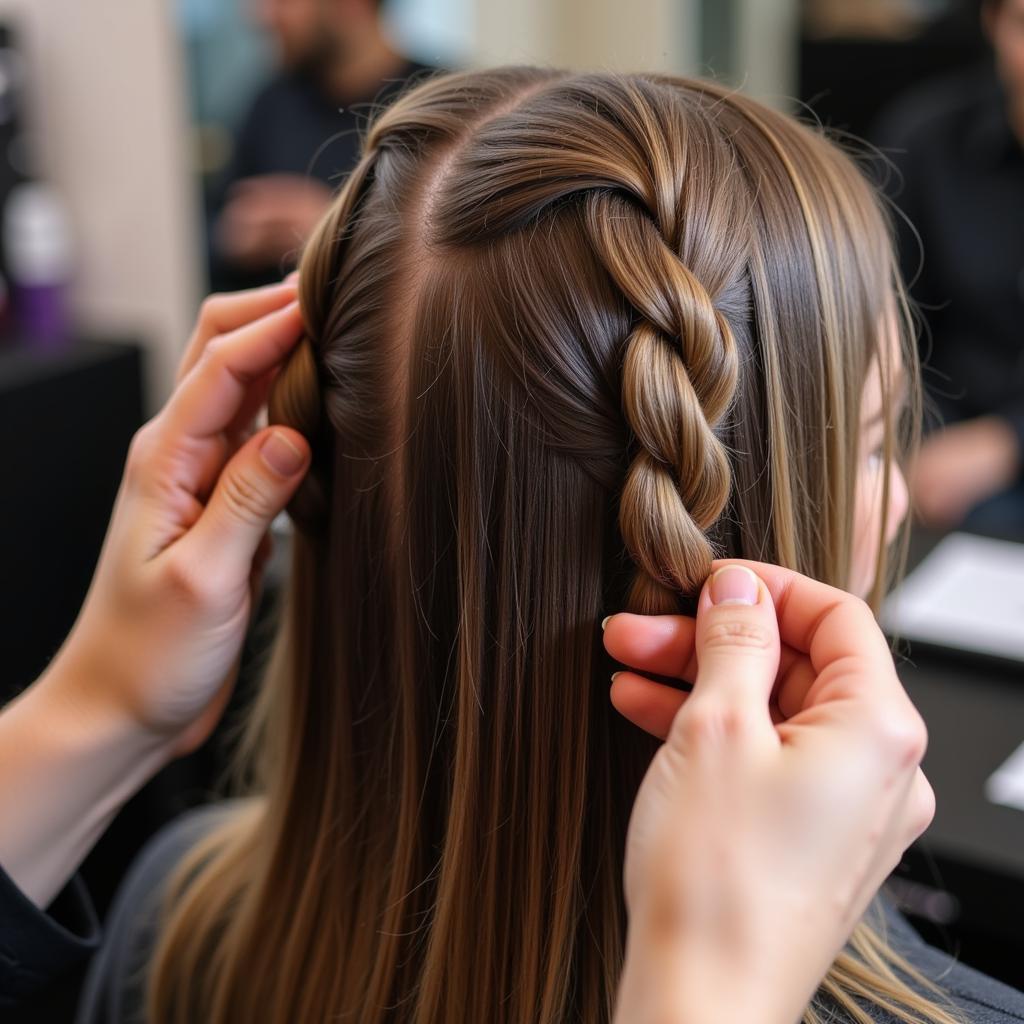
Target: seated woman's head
{"type": "Point", "coordinates": [569, 338]}
{"type": "Point", "coordinates": [670, 297]}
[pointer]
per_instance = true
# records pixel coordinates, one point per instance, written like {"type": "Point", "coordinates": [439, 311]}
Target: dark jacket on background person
{"type": "Point", "coordinates": [293, 128]}
{"type": "Point", "coordinates": [960, 182]}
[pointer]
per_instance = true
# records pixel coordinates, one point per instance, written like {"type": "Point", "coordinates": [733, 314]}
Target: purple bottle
{"type": "Point", "coordinates": [37, 241]}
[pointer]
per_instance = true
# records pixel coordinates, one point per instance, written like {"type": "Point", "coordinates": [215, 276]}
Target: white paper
{"type": "Point", "coordinates": [968, 594]}
{"type": "Point", "coordinates": [1006, 784]}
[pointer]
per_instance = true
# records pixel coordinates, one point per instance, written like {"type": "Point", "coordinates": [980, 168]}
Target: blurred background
{"type": "Point", "coordinates": [153, 151]}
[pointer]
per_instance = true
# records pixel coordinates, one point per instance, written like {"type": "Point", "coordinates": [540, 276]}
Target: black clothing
{"type": "Point", "coordinates": [293, 128]}
{"type": "Point", "coordinates": [44, 953]}
{"type": "Point", "coordinates": [961, 184]}
{"type": "Point", "coordinates": [114, 987]}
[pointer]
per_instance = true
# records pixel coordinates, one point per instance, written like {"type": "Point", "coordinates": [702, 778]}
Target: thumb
{"type": "Point", "coordinates": [737, 641]}
{"type": "Point", "coordinates": [254, 486]}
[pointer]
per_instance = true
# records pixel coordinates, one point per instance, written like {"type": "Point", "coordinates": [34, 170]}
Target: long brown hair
{"type": "Point", "coordinates": [569, 336]}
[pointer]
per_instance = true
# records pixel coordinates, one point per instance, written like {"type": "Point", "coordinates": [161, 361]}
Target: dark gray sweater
{"type": "Point", "coordinates": [114, 984]}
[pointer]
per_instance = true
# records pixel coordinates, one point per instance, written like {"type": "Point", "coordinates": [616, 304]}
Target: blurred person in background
{"type": "Point", "coordinates": [956, 144]}
{"type": "Point", "coordinates": [300, 134]}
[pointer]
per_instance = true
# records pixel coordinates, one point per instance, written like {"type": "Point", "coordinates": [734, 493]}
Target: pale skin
{"type": "Point", "coordinates": [152, 658]}
{"type": "Point", "coordinates": [757, 840]}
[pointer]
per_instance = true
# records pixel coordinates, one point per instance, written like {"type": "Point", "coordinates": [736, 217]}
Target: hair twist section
{"type": "Point", "coordinates": [679, 375]}
{"type": "Point", "coordinates": [301, 394]}
{"type": "Point", "coordinates": [668, 213]}
{"type": "Point", "coordinates": [296, 401]}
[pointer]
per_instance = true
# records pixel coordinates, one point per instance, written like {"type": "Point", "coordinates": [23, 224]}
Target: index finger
{"type": "Point", "coordinates": [223, 313]}
{"type": "Point", "coordinates": [209, 398]}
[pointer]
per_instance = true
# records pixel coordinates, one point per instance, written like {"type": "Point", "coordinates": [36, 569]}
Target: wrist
{"type": "Point", "coordinates": [82, 700]}
{"type": "Point", "coordinates": [79, 686]}
{"type": "Point", "coordinates": [677, 970]}
{"type": "Point", "coordinates": [69, 759]}
{"type": "Point", "coordinates": [668, 977]}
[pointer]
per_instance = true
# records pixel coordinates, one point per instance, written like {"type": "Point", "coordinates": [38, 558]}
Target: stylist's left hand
{"type": "Point", "coordinates": [161, 630]}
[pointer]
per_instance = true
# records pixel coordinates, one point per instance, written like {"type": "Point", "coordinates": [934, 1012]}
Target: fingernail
{"type": "Point", "coordinates": [281, 455]}
{"type": "Point", "coordinates": [734, 584]}
{"type": "Point", "coordinates": [292, 278]}
{"type": "Point", "coordinates": [614, 674]}
{"type": "Point", "coordinates": [604, 621]}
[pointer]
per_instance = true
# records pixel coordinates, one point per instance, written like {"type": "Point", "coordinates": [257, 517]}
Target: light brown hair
{"type": "Point", "coordinates": [568, 337]}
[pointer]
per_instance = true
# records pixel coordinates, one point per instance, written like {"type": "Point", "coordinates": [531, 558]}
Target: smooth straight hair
{"type": "Point", "coordinates": [569, 336]}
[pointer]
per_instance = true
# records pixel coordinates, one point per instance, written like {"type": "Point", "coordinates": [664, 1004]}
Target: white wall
{"type": "Point", "coordinates": [653, 35]}
{"type": "Point", "coordinates": [766, 44]}
{"type": "Point", "coordinates": [107, 99]}
{"type": "Point", "coordinates": [639, 35]}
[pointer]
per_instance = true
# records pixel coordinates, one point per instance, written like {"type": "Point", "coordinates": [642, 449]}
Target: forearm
{"type": "Point", "coordinates": [67, 764]}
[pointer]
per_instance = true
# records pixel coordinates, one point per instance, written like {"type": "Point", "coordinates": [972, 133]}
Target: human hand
{"type": "Point", "coordinates": [757, 840]}
{"type": "Point", "coordinates": [268, 216]}
{"type": "Point", "coordinates": [158, 639]}
{"type": "Point", "coordinates": [960, 466]}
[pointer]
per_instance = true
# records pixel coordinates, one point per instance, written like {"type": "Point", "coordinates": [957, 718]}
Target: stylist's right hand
{"type": "Point", "coordinates": [787, 789]}
{"type": "Point", "coordinates": [161, 630]}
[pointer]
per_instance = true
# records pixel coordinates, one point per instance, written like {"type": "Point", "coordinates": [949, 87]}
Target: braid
{"type": "Point", "coordinates": [654, 237]}
{"type": "Point", "coordinates": [296, 402]}
{"type": "Point", "coordinates": [673, 234]}
{"type": "Point", "coordinates": [679, 375]}
{"type": "Point", "coordinates": [297, 397]}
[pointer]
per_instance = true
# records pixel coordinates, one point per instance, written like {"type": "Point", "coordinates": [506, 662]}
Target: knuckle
{"type": "Point", "coordinates": [865, 620]}
{"type": "Point", "coordinates": [140, 451]}
{"type": "Point", "coordinates": [905, 737]}
{"type": "Point", "coordinates": [860, 609]}
{"type": "Point", "coordinates": [243, 497]}
{"type": "Point", "coordinates": [711, 722]}
{"type": "Point", "coordinates": [737, 633]}
{"type": "Point", "coordinates": [922, 811]}
{"type": "Point", "coordinates": [214, 350]}
{"type": "Point", "coordinates": [210, 307]}
{"type": "Point", "coordinates": [184, 582]}
{"type": "Point", "coordinates": [919, 740]}
{"type": "Point", "coordinates": [914, 740]}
